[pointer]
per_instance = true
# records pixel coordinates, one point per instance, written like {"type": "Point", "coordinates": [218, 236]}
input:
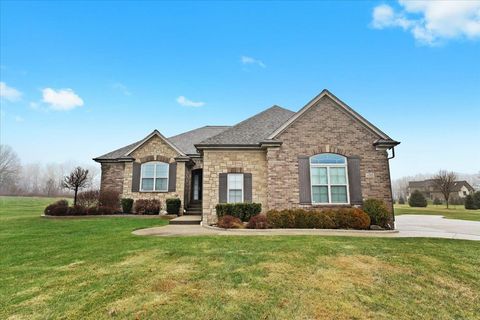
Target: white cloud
{"type": "Point", "coordinates": [183, 101]}
{"type": "Point", "coordinates": [62, 99]}
{"type": "Point", "coordinates": [250, 60]}
{"type": "Point", "coordinates": [122, 88]}
{"type": "Point", "coordinates": [19, 119]}
{"type": "Point", "coordinates": [34, 105]}
{"type": "Point", "coordinates": [9, 93]}
{"type": "Point", "coordinates": [431, 22]}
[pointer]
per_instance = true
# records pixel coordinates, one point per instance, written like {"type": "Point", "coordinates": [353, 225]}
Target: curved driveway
{"type": "Point", "coordinates": [412, 225]}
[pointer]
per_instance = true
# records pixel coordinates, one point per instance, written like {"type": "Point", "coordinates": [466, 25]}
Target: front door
{"type": "Point", "coordinates": [197, 185]}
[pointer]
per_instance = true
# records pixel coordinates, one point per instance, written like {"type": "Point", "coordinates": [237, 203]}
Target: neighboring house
{"type": "Point", "coordinates": [429, 189]}
{"type": "Point", "coordinates": [324, 155]}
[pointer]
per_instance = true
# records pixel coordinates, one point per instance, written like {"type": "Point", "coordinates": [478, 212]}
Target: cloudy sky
{"type": "Point", "coordinates": [79, 79]}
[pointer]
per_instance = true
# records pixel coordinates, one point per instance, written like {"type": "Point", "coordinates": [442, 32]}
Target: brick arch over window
{"type": "Point", "coordinates": [154, 158]}
{"type": "Point", "coordinates": [329, 149]}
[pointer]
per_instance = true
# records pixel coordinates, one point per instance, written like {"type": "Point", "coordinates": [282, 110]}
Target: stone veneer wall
{"type": "Point", "coordinates": [112, 176]}
{"type": "Point", "coordinates": [220, 161]}
{"type": "Point", "coordinates": [325, 128]}
{"type": "Point", "coordinates": [155, 147]}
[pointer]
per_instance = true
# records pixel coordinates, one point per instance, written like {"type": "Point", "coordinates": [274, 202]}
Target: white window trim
{"type": "Point", "coordinates": [228, 187]}
{"type": "Point", "coordinates": [154, 175]}
{"type": "Point", "coordinates": [329, 185]}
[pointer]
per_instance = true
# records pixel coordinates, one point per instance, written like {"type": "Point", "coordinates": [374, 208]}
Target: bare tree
{"type": "Point", "coordinates": [9, 165]}
{"type": "Point", "coordinates": [76, 180]}
{"type": "Point", "coordinates": [445, 181]}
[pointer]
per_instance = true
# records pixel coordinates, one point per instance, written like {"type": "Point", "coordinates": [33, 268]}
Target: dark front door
{"type": "Point", "coordinates": [197, 185]}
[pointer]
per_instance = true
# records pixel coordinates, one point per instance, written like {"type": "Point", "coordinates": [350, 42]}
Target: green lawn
{"type": "Point", "coordinates": [454, 212]}
{"type": "Point", "coordinates": [95, 269]}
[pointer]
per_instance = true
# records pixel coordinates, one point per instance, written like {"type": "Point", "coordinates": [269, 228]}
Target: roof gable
{"type": "Point", "coordinates": [341, 104]}
{"type": "Point", "coordinates": [253, 130]}
{"type": "Point", "coordinates": [155, 133]}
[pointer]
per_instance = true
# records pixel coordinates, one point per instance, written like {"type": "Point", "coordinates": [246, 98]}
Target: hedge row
{"type": "Point", "coordinates": [243, 211]}
{"type": "Point", "coordinates": [344, 218]}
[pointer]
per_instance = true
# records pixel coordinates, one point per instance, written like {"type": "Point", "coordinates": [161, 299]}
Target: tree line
{"type": "Point", "coordinates": [37, 179]}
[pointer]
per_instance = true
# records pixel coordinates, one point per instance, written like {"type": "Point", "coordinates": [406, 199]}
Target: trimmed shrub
{"type": "Point", "coordinates": [229, 222]}
{"type": "Point", "coordinates": [469, 203]}
{"type": "Point", "coordinates": [109, 198]}
{"type": "Point", "coordinates": [173, 205]}
{"type": "Point", "coordinates": [476, 199]}
{"type": "Point", "coordinates": [105, 210]}
{"type": "Point", "coordinates": [417, 200]}
{"type": "Point", "coordinates": [437, 201]}
{"type": "Point", "coordinates": [127, 204]}
{"type": "Point", "coordinates": [281, 219]}
{"type": "Point", "coordinates": [345, 218]}
{"type": "Point", "coordinates": [401, 200]}
{"type": "Point", "coordinates": [377, 211]}
{"type": "Point", "coordinates": [147, 206]}
{"type": "Point", "coordinates": [352, 219]}
{"type": "Point", "coordinates": [77, 211]}
{"type": "Point", "coordinates": [243, 211]}
{"type": "Point", "coordinates": [59, 208]}
{"type": "Point", "coordinates": [88, 198]}
{"type": "Point", "coordinates": [93, 211]}
{"type": "Point", "coordinates": [258, 222]}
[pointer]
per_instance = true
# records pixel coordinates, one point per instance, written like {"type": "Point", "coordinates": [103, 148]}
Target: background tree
{"type": "Point", "coordinates": [417, 200]}
{"type": "Point", "coordinates": [445, 181]}
{"type": "Point", "coordinates": [9, 166]}
{"type": "Point", "coordinates": [476, 199]}
{"type": "Point", "coordinates": [77, 179]}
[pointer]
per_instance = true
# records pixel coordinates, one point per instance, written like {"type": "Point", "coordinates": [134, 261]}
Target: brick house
{"type": "Point", "coordinates": [429, 189]}
{"type": "Point", "coordinates": [324, 155]}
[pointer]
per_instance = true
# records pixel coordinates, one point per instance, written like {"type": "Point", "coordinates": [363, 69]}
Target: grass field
{"type": "Point", "coordinates": [454, 212]}
{"type": "Point", "coordinates": [95, 269]}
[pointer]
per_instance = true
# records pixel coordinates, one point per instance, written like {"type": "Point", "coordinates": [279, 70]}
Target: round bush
{"type": "Point", "coordinates": [258, 222]}
{"type": "Point", "coordinates": [127, 204]}
{"type": "Point", "coordinates": [377, 211]}
{"type": "Point", "coordinates": [77, 211]}
{"type": "Point", "coordinates": [417, 200]}
{"type": "Point", "coordinates": [230, 222]}
{"type": "Point", "coordinates": [173, 205]}
{"type": "Point", "coordinates": [352, 219]}
{"type": "Point", "coordinates": [469, 203]}
{"type": "Point", "coordinates": [59, 208]}
{"type": "Point", "coordinates": [401, 200]}
{"type": "Point", "coordinates": [437, 201]}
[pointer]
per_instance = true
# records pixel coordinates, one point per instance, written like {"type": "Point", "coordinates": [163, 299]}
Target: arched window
{"type": "Point", "coordinates": [329, 180]}
{"type": "Point", "coordinates": [154, 176]}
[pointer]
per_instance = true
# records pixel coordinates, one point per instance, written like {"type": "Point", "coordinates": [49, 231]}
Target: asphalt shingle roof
{"type": "Point", "coordinates": [252, 130]}
{"type": "Point", "coordinates": [186, 141]}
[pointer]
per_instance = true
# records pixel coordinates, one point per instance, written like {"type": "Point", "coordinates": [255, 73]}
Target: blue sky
{"type": "Point", "coordinates": [80, 79]}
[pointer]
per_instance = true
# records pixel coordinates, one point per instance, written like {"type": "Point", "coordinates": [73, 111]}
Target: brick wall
{"type": "Point", "coordinates": [220, 161]}
{"type": "Point", "coordinates": [112, 176]}
{"type": "Point", "coordinates": [325, 127]}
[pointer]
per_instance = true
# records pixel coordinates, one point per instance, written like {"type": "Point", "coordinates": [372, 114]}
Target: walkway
{"type": "Point", "coordinates": [407, 226]}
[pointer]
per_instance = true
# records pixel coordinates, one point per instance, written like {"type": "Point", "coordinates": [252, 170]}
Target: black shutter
{"type": "Point", "coordinates": [172, 177]}
{"type": "Point", "coordinates": [247, 187]}
{"type": "Point", "coordinates": [222, 188]}
{"type": "Point", "coordinates": [136, 176]}
{"type": "Point", "coordinates": [354, 180]}
{"type": "Point", "coordinates": [304, 180]}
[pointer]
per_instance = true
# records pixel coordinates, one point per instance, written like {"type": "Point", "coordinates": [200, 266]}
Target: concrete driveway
{"type": "Point", "coordinates": [410, 225]}
{"type": "Point", "coordinates": [406, 226]}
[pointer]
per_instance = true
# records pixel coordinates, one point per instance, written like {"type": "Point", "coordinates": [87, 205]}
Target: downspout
{"type": "Point", "coordinates": [391, 190]}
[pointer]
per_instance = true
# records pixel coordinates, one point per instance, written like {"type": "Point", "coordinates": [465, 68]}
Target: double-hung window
{"type": "Point", "coordinates": [154, 176]}
{"type": "Point", "coordinates": [235, 187]}
{"type": "Point", "coordinates": [329, 180]}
